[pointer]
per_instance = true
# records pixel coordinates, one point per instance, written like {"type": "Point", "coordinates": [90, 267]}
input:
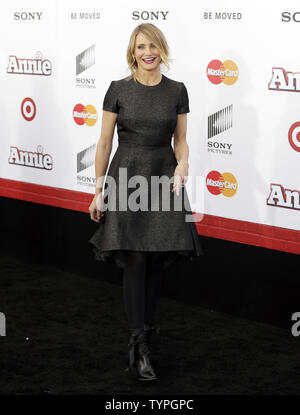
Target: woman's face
{"type": "Point", "coordinates": [145, 49]}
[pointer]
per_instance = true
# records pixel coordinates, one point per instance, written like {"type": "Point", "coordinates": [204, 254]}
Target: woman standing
{"type": "Point", "coordinates": [149, 108]}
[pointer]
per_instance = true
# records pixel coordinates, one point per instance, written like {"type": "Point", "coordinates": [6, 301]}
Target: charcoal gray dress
{"type": "Point", "coordinates": [147, 117]}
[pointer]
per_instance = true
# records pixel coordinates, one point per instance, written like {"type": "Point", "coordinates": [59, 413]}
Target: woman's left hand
{"type": "Point", "coordinates": [180, 176]}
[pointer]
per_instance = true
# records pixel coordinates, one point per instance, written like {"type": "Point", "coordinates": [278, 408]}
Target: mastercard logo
{"type": "Point", "coordinates": [224, 183]}
{"type": "Point", "coordinates": [226, 72]}
{"type": "Point", "coordinates": [85, 115]}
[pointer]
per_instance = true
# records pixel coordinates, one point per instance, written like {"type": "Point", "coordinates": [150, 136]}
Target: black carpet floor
{"type": "Point", "coordinates": [67, 334]}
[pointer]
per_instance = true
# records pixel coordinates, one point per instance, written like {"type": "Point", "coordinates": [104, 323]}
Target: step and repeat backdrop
{"type": "Point", "coordinates": [240, 64]}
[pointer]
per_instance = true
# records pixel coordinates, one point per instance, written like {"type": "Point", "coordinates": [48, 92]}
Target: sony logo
{"type": "Point", "coordinates": [145, 15]}
{"type": "Point", "coordinates": [288, 16]}
{"type": "Point", "coordinates": [27, 15]}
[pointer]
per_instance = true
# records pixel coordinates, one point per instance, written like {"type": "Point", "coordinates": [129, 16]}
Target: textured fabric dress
{"type": "Point", "coordinates": [147, 117]}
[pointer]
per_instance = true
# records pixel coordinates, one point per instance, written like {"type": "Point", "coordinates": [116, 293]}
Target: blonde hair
{"type": "Point", "coordinates": [155, 35]}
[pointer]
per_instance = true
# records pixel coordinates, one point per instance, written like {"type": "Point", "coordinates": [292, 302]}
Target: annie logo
{"type": "Point", "coordinates": [283, 80]}
{"type": "Point", "coordinates": [28, 66]}
{"type": "Point", "coordinates": [37, 159]}
{"type": "Point", "coordinates": [280, 196]}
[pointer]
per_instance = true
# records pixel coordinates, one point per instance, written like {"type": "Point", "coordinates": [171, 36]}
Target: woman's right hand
{"type": "Point", "coordinates": [96, 207]}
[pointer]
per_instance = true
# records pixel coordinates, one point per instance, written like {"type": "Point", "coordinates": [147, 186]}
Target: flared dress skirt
{"type": "Point", "coordinates": [167, 232]}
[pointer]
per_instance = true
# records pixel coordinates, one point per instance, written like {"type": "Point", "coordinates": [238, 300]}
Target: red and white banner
{"type": "Point", "coordinates": [242, 72]}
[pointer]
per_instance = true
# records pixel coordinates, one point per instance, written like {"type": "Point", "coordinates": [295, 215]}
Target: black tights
{"type": "Point", "coordinates": [141, 288]}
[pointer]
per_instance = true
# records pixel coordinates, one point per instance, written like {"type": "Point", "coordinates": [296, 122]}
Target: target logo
{"type": "Point", "coordinates": [224, 183]}
{"type": "Point", "coordinates": [226, 72]}
{"type": "Point", "coordinates": [85, 115]}
{"type": "Point", "coordinates": [294, 136]}
{"type": "Point", "coordinates": [28, 109]}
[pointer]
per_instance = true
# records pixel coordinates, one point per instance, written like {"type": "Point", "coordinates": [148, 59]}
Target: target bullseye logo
{"type": "Point", "coordinates": [226, 72]}
{"type": "Point", "coordinates": [28, 109]}
{"type": "Point", "coordinates": [294, 136]}
{"type": "Point", "coordinates": [218, 183]}
{"type": "Point", "coordinates": [85, 114]}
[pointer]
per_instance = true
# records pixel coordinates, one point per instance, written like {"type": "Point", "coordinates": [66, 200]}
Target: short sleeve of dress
{"type": "Point", "coordinates": [110, 102]}
{"type": "Point", "coordinates": [183, 101]}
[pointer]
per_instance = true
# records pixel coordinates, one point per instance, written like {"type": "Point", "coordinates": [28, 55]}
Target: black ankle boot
{"type": "Point", "coordinates": [143, 363]}
{"type": "Point", "coordinates": [138, 361]}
